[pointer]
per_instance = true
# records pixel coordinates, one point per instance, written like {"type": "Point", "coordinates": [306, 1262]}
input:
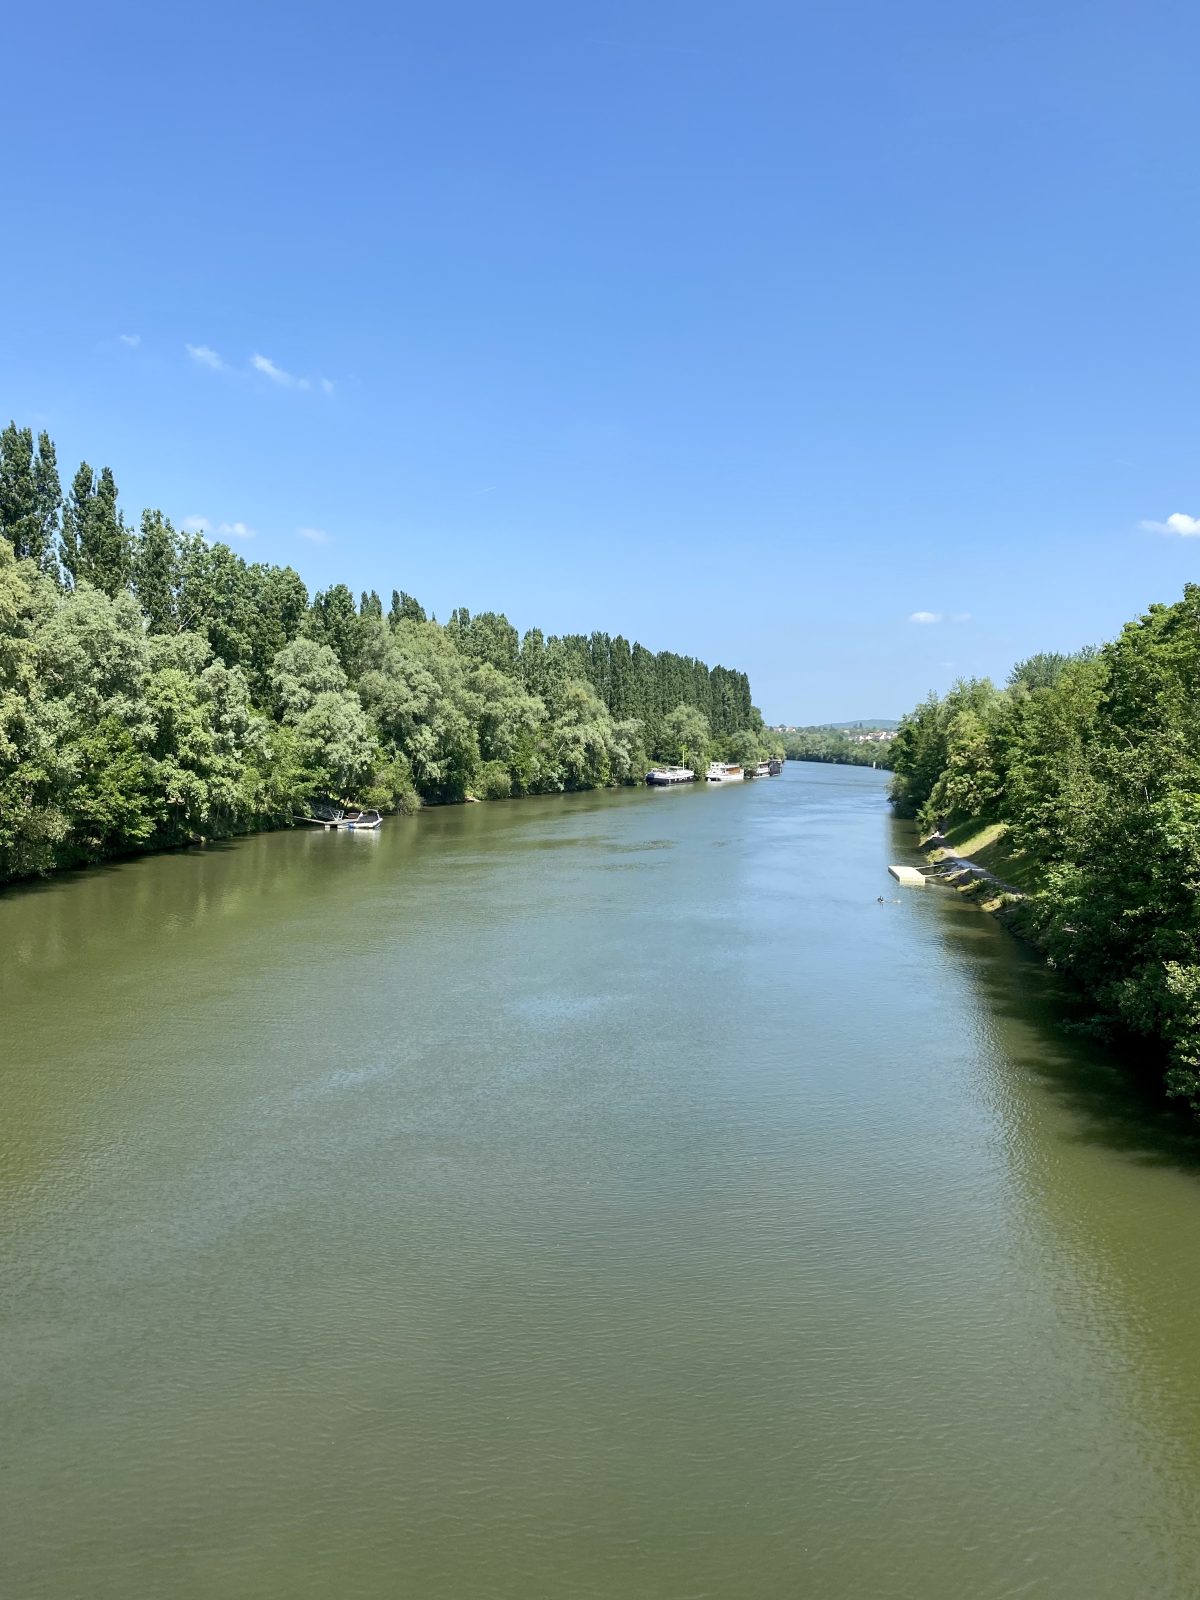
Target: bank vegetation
{"type": "Point", "coordinates": [835, 746]}
{"type": "Point", "coordinates": [155, 688]}
{"type": "Point", "coordinates": [1084, 771]}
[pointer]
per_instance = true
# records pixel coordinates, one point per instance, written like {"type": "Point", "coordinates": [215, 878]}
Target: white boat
{"type": "Point", "coordinates": [330, 816]}
{"type": "Point", "coordinates": [762, 769]}
{"type": "Point", "coordinates": [660, 777]}
{"type": "Point", "coordinates": [724, 772]}
{"type": "Point", "coordinates": [353, 820]}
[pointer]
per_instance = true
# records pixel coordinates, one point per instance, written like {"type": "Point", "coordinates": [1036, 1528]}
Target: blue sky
{"type": "Point", "coordinates": [746, 330]}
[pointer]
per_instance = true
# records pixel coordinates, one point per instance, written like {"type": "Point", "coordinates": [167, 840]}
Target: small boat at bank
{"type": "Point", "coordinates": [327, 816]}
{"type": "Point", "coordinates": [662, 777]}
{"type": "Point", "coordinates": [762, 769]}
{"type": "Point", "coordinates": [359, 819]}
{"type": "Point", "coordinates": [724, 772]}
{"type": "Point", "coordinates": [774, 767]}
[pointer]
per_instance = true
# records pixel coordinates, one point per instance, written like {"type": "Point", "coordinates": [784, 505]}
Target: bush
{"type": "Point", "coordinates": [392, 789]}
{"type": "Point", "coordinates": [494, 781]}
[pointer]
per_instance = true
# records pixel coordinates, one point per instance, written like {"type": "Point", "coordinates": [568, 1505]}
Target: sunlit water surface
{"type": "Point", "coordinates": [598, 1196]}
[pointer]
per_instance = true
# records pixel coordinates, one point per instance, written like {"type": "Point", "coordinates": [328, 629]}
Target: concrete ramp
{"type": "Point", "coordinates": [908, 876]}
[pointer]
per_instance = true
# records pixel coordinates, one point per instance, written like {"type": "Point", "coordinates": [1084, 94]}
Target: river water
{"type": "Point", "coordinates": [597, 1197]}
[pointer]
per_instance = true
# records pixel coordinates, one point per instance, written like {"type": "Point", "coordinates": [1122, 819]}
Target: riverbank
{"type": "Point", "coordinates": [1094, 759]}
{"type": "Point", "coordinates": [980, 860]}
{"type": "Point", "coordinates": [971, 859]}
{"type": "Point", "coordinates": [163, 690]}
{"type": "Point", "coordinates": [252, 828]}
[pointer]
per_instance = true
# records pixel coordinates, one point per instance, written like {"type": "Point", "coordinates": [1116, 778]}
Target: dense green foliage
{"type": "Point", "coordinates": [1093, 764]}
{"type": "Point", "coordinates": [155, 688]}
{"type": "Point", "coordinates": [831, 744]}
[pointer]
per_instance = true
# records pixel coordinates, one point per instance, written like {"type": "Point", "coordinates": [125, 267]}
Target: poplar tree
{"type": "Point", "coordinates": [533, 661]}
{"type": "Point", "coordinates": [106, 550]}
{"type": "Point", "coordinates": [77, 513]}
{"type": "Point", "coordinates": [620, 679]}
{"type": "Point", "coordinates": [47, 496]}
{"type": "Point", "coordinates": [277, 601]}
{"type": "Point", "coordinates": [18, 501]}
{"type": "Point", "coordinates": [404, 609]}
{"type": "Point", "coordinates": [156, 572]}
{"type": "Point", "coordinates": [491, 637]}
{"type": "Point", "coordinates": [333, 620]}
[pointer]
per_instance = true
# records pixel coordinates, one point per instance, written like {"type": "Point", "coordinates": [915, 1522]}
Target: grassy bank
{"type": "Point", "coordinates": [990, 847]}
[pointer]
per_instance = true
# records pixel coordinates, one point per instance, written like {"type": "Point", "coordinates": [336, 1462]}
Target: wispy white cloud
{"type": "Point", "coordinates": [961, 616]}
{"type": "Point", "coordinates": [289, 380]}
{"type": "Point", "coordinates": [223, 530]}
{"type": "Point", "coordinates": [272, 370]}
{"type": "Point", "coordinates": [131, 339]}
{"type": "Point", "coordinates": [1178, 523]}
{"type": "Point", "coordinates": [313, 535]}
{"type": "Point", "coordinates": [204, 357]}
{"type": "Point", "coordinates": [926, 616]}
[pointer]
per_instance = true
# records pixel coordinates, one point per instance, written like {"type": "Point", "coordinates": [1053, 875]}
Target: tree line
{"type": "Point", "coordinates": [831, 744]}
{"type": "Point", "coordinates": [1092, 763]}
{"type": "Point", "coordinates": [155, 688]}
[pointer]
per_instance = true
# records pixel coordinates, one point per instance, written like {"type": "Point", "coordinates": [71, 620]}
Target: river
{"type": "Point", "coordinates": [597, 1197]}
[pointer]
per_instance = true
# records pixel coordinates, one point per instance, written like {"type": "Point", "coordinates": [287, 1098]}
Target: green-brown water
{"type": "Point", "coordinates": [597, 1197]}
